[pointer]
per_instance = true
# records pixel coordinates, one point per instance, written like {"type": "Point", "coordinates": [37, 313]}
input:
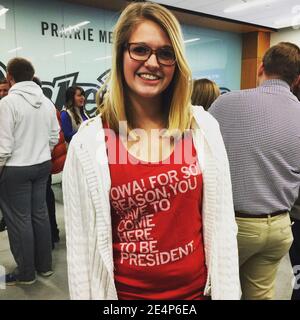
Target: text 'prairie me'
{"type": "Point", "coordinates": [76, 33]}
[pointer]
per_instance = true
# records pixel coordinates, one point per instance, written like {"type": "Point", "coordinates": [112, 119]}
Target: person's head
{"type": "Point", "coordinates": [148, 63]}
{"type": "Point", "coordinates": [205, 92]}
{"type": "Point", "coordinates": [37, 81]}
{"type": "Point", "coordinates": [75, 97]}
{"type": "Point", "coordinates": [281, 61]}
{"type": "Point", "coordinates": [4, 87]}
{"type": "Point", "coordinates": [18, 70]}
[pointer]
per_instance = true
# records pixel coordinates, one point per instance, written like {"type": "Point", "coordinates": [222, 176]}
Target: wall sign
{"type": "Point", "coordinates": [71, 44]}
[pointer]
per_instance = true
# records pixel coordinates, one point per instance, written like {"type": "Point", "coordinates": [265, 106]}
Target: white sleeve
{"type": "Point", "coordinates": [76, 208]}
{"type": "Point", "coordinates": [7, 123]}
{"type": "Point", "coordinates": [54, 128]}
{"type": "Point", "coordinates": [227, 231]}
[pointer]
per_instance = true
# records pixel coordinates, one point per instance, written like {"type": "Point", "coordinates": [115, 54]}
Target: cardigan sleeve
{"type": "Point", "coordinates": [228, 262]}
{"type": "Point", "coordinates": [76, 206]}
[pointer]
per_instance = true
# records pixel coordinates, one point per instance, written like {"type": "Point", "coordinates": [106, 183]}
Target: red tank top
{"type": "Point", "coordinates": [157, 225]}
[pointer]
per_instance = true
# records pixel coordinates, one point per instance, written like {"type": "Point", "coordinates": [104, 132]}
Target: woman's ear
{"type": "Point", "coordinates": [10, 79]}
{"type": "Point", "coordinates": [261, 70]}
{"type": "Point", "coordinates": [295, 88]}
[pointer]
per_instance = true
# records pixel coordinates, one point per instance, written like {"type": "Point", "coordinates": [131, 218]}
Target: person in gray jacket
{"type": "Point", "coordinates": [28, 131]}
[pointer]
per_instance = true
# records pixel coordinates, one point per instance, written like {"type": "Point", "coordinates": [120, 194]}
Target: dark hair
{"type": "Point", "coordinates": [3, 81]}
{"type": "Point", "coordinates": [20, 69]}
{"type": "Point", "coordinates": [37, 81]}
{"type": "Point", "coordinates": [296, 88]}
{"type": "Point", "coordinates": [283, 60]}
{"type": "Point", "coordinates": [70, 101]}
{"type": "Point", "coordinates": [205, 92]}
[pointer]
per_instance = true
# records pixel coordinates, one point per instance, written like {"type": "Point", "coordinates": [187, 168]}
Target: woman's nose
{"type": "Point", "coordinates": [152, 61]}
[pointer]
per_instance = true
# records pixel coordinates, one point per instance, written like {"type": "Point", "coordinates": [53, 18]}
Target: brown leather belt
{"type": "Point", "coordinates": [263, 215]}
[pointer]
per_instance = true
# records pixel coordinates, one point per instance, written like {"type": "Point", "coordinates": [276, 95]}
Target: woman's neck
{"type": "Point", "coordinates": [147, 114]}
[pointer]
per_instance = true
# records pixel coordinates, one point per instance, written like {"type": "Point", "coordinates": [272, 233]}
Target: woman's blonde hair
{"type": "Point", "coordinates": [177, 96]}
{"type": "Point", "coordinates": [205, 92]}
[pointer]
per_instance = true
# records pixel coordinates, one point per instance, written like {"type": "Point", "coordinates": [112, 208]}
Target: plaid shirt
{"type": "Point", "coordinates": [261, 131]}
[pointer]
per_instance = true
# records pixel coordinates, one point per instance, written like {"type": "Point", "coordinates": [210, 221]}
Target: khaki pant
{"type": "Point", "coordinates": [262, 243]}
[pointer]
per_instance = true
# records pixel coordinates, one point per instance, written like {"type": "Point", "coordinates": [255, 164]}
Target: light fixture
{"type": "Point", "coordinates": [15, 49]}
{"type": "Point", "coordinates": [102, 58]}
{"type": "Point", "coordinates": [191, 40]}
{"type": "Point", "coordinates": [74, 27]}
{"type": "Point", "coordinates": [282, 23]}
{"type": "Point", "coordinates": [62, 54]}
{"type": "Point", "coordinates": [248, 4]}
{"type": "Point", "coordinates": [289, 22]}
{"type": "Point", "coordinates": [3, 11]}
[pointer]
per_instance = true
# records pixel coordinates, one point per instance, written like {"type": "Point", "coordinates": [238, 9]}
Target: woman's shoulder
{"type": "Point", "coordinates": [64, 114]}
{"type": "Point", "coordinates": [89, 130]}
{"type": "Point", "coordinates": [204, 119]}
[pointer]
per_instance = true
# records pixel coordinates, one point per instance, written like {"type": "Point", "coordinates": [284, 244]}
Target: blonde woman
{"type": "Point", "coordinates": [147, 191]}
{"type": "Point", "coordinates": [205, 92]}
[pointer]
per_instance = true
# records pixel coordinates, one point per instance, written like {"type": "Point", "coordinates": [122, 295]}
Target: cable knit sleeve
{"type": "Point", "coordinates": [76, 208]}
{"type": "Point", "coordinates": [219, 226]}
{"type": "Point", "coordinates": [227, 261]}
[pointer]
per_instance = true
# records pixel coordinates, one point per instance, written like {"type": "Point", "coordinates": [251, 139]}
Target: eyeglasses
{"type": "Point", "coordinates": [141, 52]}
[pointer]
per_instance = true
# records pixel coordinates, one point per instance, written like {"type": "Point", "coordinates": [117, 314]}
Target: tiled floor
{"type": "Point", "coordinates": [56, 287]}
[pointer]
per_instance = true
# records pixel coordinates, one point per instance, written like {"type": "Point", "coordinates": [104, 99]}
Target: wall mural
{"type": "Point", "coordinates": [71, 44]}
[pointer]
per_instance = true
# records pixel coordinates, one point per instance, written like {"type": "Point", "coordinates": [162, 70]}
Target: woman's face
{"type": "Point", "coordinates": [79, 99]}
{"type": "Point", "coordinates": [147, 79]}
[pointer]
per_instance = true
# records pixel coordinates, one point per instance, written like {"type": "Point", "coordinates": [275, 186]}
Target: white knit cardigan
{"type": "Point", "coordinates": [86, 186]}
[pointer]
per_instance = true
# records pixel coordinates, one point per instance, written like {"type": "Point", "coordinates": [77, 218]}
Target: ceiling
{"type": "Point", "coordinates": [269, 13]}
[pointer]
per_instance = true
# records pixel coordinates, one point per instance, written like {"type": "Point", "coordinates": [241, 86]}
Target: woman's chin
{"type": "Point", "coordinates": [148, 94]}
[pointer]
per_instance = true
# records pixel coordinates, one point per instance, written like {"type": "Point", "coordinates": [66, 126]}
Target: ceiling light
{"type": "Point", "coordinates": [62, 54]}
{"type": "Point", "coordinates": [74, 27]}
{"type": "Point", "coordinates": [191, 40]}
{"type": "Point", "coordinates": [14, 50]}
{"type": "Point", "coordinates": [3, 11]}
{"type": "Point", "coordinates": [102, 58]}
{"type": "Point", "coordinates": [291, 21]}
{"type": "Point", "coordinates": [248, 5]}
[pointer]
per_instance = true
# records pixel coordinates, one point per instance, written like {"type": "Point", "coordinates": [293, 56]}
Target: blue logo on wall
{"type": "Point", "coordinates": [55, 90]}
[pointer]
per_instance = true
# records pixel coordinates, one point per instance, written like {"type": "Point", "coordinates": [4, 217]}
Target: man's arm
{"type": "Point", "coordinates": [54, 130]}
{"type": "Point", "coordinates": [6, 132]}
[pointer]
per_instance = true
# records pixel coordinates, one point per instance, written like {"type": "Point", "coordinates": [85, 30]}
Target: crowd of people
{"type": "Point", "coordinates": [172, 191]}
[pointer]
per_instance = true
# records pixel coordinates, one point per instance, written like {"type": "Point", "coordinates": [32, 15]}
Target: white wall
{"type": "Point", "coordinates": [287, 34]}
